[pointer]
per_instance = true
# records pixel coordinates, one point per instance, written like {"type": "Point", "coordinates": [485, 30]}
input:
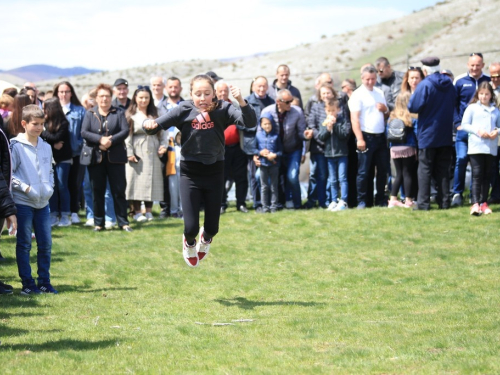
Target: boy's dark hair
{"type": "Point", "coordinates": [31, 112]}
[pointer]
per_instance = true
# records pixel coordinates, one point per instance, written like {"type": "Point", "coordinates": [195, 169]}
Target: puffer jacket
{"type": "Point", "coordinates": [335, 141]}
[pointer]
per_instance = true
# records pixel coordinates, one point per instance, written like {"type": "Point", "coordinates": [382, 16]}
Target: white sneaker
{"type": "Point", "coordinates": [332, 206]}
{"type": "Point", "coordinates": [202, 247]}
{"type": "Point", "coordinates": [74, 218]}
{"type": "Point", "coordinates": [340, 206]}
{"type": "Point", "coordinates": [289, 205]}
{"type": "Point", "coordinates": [109, 224]}
{"type": "Point", "coordinates": [149, 216]}
{"type": "Point", "coordinates": [189, 253]}
{"type": "Point", "coordinates": [140, 218]}
{"type": "Point", "coordinates": [54, 220]}
{"type": "Point", "coordinates": [65, 221]}
{"type": "Point", "coordinates": [89, 223]}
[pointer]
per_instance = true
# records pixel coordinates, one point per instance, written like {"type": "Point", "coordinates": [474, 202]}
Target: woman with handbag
{"type": "Point", "coordinates": [105, 129]}
{"type": "Point", "coordinates": [143, 172]}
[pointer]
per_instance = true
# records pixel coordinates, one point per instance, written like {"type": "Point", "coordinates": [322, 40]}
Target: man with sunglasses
{"type": "Point", "coordinates": [465, 85]}
{"type": "Point", "coordinates": [390, 78]}
{"type": "Point", "coordinates": [292, 124]}
{"type": "Point", "coordinates": [495, 173]}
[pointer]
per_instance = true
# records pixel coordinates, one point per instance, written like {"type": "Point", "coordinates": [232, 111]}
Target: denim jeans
{"type": "Point", "coordinates": [38, 220]}
{"type": "Point", "coordinates": [377, 154]}
{"type": "Point", "coordinates": [254, 181]}
{"type": "Point", "coordinates": [461, 147]}
{"type": "Point", "coordinates": [60, 201]}
{"type": "Point", "coordinates": [269, 182]}
{"type": "Point", "coordinates": [89, 200]}
{"type": "Point", "coordinates": [318, 174]}
{"type": "Point", "coordinates": [337, 174]}
{"type": "Point", "coordinates": [173, 186]}
{"type": "Point", "coordinates": [291, 162]}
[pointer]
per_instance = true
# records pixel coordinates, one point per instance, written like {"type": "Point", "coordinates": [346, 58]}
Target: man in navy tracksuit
{"type": "Point", "coordinates": [465, 85]}
{"type": "Point", "coordinates": [434, 101]}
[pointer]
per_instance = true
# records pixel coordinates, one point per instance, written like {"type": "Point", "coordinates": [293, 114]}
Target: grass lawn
{"type": "Point", "coordinates": [378, 291]}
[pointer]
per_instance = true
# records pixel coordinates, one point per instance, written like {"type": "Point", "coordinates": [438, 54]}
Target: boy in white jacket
{"type": "Point", "coordinates": [33, 185]}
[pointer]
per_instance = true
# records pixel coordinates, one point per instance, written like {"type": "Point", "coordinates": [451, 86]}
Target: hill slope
{"type": "Point", "coordinates": [448, 29]}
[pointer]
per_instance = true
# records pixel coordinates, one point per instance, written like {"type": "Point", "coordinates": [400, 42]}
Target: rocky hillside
{"type": "Point", "coordinates": [451, 30]}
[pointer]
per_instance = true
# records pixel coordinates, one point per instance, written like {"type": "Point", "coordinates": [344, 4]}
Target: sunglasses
{"type": "Point", "coordinates": [414, 68]}
{"type": "Point", "coordinates": [29, 88]}
{"type": "Point", "coordinates": [286, 101]}
{"type": "Point", "coordinates": [495, 76]}
{"type": "Point", "coordinates": [476, 54]}
{"type": "Point", "coordinates": [140, 87]}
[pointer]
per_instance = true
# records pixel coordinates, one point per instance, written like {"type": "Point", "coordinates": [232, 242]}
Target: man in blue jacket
{"type": "Point", "coordinates": [291, 126]}
{"type": "Point", "coordinates": [465, 85]}
{"type": "Point", "coordinates": [434, 101]}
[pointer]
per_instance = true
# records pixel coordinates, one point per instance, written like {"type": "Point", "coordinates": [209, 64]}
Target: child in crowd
{"type": "Point", "coordinates": [481, 120]}
{"type": "Point", "coordinates": [269, 150]}
{"type": "Point", "coordinates": [404, 155]}
{"type": "Point", "coordinates": [56, 134]}
{"type": "Point", "coordinates": [334, 132]}
{"type": "Point", "coordinates": [32, 183]}
{"type": "Point", "coordinates": [202, 121]}
{"type": "Point", "coordinates": [173, 171]}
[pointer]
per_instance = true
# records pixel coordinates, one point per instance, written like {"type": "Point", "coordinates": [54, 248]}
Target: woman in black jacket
{"type": "Point", "coordinates": [106, 128]}
{"type": "Point", "coordinates": [8, 209]}
{"type": "Point", "coordinates": [56, 134]}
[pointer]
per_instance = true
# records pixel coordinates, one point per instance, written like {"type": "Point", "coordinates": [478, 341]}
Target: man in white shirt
{"type": "Point", "coordinates": [368, 111]}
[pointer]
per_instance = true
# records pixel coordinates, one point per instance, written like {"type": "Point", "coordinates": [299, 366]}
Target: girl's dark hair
{"type": "Point", "coordinates": [151, 110]}
{"type": "Point", "coordinates": [74, 99]}
{"type": "Point", "coordinates": [12, 91]}
{"type": "Point", "coordinates": [24, 91]}
{"type": "Point", "coordinates": [55, 115]}
{"type": "Point", "coordinates": [203, 77]}
{"type": "Point", "coordinates": [483, 86]}
{"type": "Point", "coordinates": [253, 81]}
{"type": "Point", "coordinates": [15, 127]}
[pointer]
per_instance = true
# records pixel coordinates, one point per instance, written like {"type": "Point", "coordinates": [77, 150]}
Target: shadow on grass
{"type": "Point", "coordinates": [61, 345]}
{"type": "Point", "coordinates": [86, 289]}
{"type": "Point", "coordinates": [7, 331]}
{"type": "Point", "coordinates": [246, 304]}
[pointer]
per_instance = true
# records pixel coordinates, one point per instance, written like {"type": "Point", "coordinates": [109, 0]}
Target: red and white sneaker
{"type": "Point", "coordinates": [189, 253]}
{"type": "Point", "coordinates": [485, 209]}
{"type": "Point", "coordinates": [475, 209]}
{"type": "Point", "coordinates": [202, 247]}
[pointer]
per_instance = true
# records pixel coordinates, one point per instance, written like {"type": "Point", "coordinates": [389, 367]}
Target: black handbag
{"type": "Point", "coordinates": [91, 155]}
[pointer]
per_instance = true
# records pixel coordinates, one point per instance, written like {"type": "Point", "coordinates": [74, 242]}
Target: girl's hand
{"type": "Point", "coordinates": [264, 152]}
{"type": "Point", "coordinates": [494, 134]}
{"type": "Point", "coordinates": [236, 93]}
{"type": "Point", "coordinates": [256, 161]}
{"type": "Point", "coordinates": [58, 145]}
{"type": "Point", "coordinates": [271, 156]}
{"type": "Point", "coordinates": [149, 124]}
{"type": "Point", "coordinates": [481, 133]}
{"type": "Point", "coordinates": [162, 150]}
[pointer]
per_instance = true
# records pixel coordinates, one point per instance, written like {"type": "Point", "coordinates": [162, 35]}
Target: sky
{"type": "Point", "coordinates": [111, 34]}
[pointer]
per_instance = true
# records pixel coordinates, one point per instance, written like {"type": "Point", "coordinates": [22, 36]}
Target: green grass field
{"type": "Point", "coordinates": [379, 291]}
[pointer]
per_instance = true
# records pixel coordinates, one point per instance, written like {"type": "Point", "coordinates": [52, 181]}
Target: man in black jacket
{"type": "Point", "coordinates": [7, 207]}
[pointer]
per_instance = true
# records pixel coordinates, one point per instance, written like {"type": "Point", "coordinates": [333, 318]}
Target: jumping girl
{"type": "Point", "coordinates": [202, 121]}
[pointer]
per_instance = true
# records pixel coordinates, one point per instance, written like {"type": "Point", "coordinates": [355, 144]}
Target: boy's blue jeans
{"type": "Point", "coordinates": [28, 219]}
